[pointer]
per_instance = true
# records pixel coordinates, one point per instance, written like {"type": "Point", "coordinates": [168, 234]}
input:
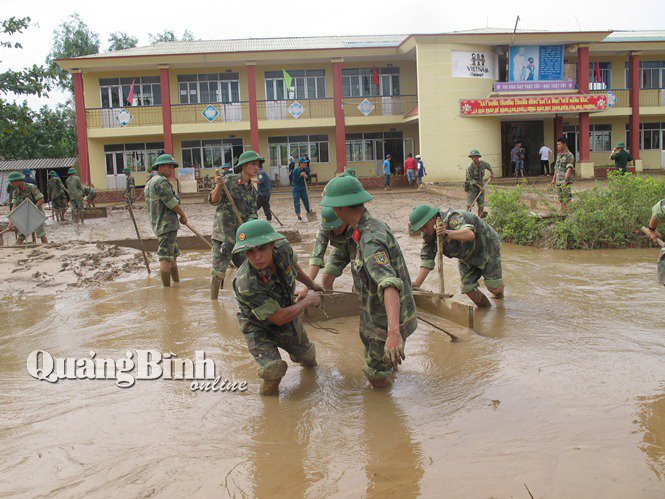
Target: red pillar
{"type": "Point", "coordinates": [583, 87]}
{"type": "Point", "coordinates": [558, 129]}
{"type": "Point", "coordinates": [253, 113]}
{"type": "Point", "coordinates": [634, 120]}
{"type": "Point", "coordinates": [81, 128]}
{"type": "Point", "coordinates": [165, 87]}
{"type": "Point", "coordinates": [340, 130]}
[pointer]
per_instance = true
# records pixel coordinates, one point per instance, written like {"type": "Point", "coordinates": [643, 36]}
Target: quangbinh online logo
{"type": "Point", "coordinates": [149, 365]}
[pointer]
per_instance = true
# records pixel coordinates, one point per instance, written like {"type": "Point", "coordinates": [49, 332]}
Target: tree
{"type": "Point", "coordinates": [168, 35]}
{"type": "Point", "coordinates": [72, 38]}
{"type": "Point", "coordinates": [121, 41]}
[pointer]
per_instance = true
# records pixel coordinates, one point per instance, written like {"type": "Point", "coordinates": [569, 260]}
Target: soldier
{"type": "Point", "coordinates": [658, 214]}
{"type": "Point", "coordinates": [340, 236]}
{"type": "Point", "coordinates": [264, 192]}
{"type": "Point", "coordinates": [164, 208]}
{"type": "Point", "coordinates": [299, 176]}
{"type": "Point", "coordinates": [621, 158]}
{"type": "Point", "coordinates": [226, 169]}
{"type": "Point", "coordinates": [563, 173]}
{"type": "Point", "coordinates": [56, 193]}
{"type": "Point", "coordinates": [466, 237]}
{"type": "Point", "coordinates": [130, 187]}
{"type": "Point", "coordinates": [268, 317]}
{"type": "Point", "coordinates": [226, 222]}
{"type": "Point", "coordinates": [75, 190]}
{"type": "Point", "coordinates": [27, 177]}
{"type": "Point", "coordinates": [90, 195]}
{"type": "Point", "coordinates": [388, 310]}
{"type": "Point", "coordinates": [475, 181]}
{"type": "Point", "coordinates": [22, 191]}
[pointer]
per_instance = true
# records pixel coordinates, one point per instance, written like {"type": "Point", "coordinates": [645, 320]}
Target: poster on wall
{"type": "Point", "coordinates": [536, 63]}
{"type": "Point", "coordinates": [474, 65]}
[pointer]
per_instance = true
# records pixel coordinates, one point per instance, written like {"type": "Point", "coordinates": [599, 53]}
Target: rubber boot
{"type": "Point", "coordinates": [270, 387]}
{"type": "Point", "coordinates": [272, 375]}
{"type": "Point", "coordinates": [479, 298]}
{"type": "Point", "coordinates": [174, 273]}
{"type": "Point", "coordinates": [308, 359]}
{"type": "Point", "coordinates": [166, 278]}
{"type": "Point", "coordinates": [215, 284]}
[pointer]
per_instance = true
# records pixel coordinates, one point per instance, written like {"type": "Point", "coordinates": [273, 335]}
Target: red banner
{"type": "Point", "coordinates": [534, 104]}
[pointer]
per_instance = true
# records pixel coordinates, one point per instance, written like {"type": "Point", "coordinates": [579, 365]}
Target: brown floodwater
{"type": "Point", "coordinates": [562, 391]}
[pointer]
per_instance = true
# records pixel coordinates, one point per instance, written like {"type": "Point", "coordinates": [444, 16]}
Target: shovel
{"type": "Point", "coordinates": [311, 215]}
{"type": "Point", "coordinates": [484, 213]}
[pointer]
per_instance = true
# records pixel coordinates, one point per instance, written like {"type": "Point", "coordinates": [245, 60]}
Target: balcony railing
{"type": "Point", "coordinates": [621, 93]}
{"type": "Point", "coordinates": [397, 105]}
{"type": "Point", "coordinates": [215, 112]}
{"type": "Point", "coordinates": [124, 117]}
{"type": "Point", "coordinates": [652, 97]}
{"type": "Point", "coordinates": [294, 109]}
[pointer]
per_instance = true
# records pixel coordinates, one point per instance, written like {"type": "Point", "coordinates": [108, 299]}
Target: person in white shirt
{"type": "Point", "coordinates": [545, 153]}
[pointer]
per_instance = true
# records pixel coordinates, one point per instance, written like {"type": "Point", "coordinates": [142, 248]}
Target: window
{"type": "Point", "coordinates": [211, 153]}
{"type": "Point", "coordinates": [652, 74]}
{"type": "Point", "coordinates": [114, 92]}
{"type": "Point", "coordinates": [315, 147]}
{"type": "Point", "coordinates": [359, 82]}
{"type": "Point", "coordinates": [600, 76]}
{"type": "Point", "coordinates": [306, 84]}
{"type": "Point", "coordinates": [209, 88]}
{"type": "Point", "coordinates": [650, 135]}
{"type": "Point", "coordinates": [138, 157]}
{"type": "Point", "coordinates": [600, 138]}
{"type": "Point", "coordinates": [367, 146]}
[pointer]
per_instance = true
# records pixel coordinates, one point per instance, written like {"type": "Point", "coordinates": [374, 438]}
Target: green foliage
{"type": "Point", "coordinates": [72, 38]}
{"type": "Point", "coordinates": [511, 218]}
{"type": "Point", "coordinates": [168, 35]}
{"type": "Point", "coordinates": [120, 41]}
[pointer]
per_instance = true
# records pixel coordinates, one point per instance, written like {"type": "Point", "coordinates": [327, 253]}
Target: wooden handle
{"type": "Point", "coordinates": [658, 241]}
{"type": "Point", "coordinates": [198, 235]}
{"type": "Point", "coordinates": [228, 196]}
{"type": "Point", "coordinates": [439, 262]}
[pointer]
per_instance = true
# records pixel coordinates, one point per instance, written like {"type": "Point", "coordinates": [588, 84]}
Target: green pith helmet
{"type": "Point", "coordinates": [246, 157]}
{"type": "Point", "coordinates": [126, 170]}
{"type": "Point", "coordinates": [255, 233]}
{"type": "Point", "coordinates": [27, 171]}
{"type": "Point", "coordinates": [622, 145]}
{"type": "Point", "coordinates": [71, 171]}
{"type": "Point", "coordinates": [329, 219]}
{"type": "Point", "coordinates": [15, 176]}
{"type": "Point", "coordinates": [349, 171]}
{"type": "Point", "coordinates": [420, 215]}
{"type": "Point", "coordinates": [52, 173]}
{"type": "Point", "coordinates": [474, 152]}
{"type": "Point", "coordinates": [164, 159]}
{"type": "Point", "coordinates": [344, 191]}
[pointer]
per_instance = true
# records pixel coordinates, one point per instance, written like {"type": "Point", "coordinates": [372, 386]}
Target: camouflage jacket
{"type": "Point", "coordinates": [379, 264]}
{"type": "Point", "coordinates": [26, 191]}
{"type": "Point", "coordinates": [74, 187]}
{"type": "Point", "coordinates": [485, 246]}
{"type": "Point", "coordinates": [244, 197]}
{"type": "Point", "coordinates": [160, 199]}
{"type": "Point", "coordinates": [260, 294]}
{"type": "Point", "coordinates": [344, 250]}
{"type": "Point", "coordinates": [564, 160]}
{"type": "Point", "coordinates": [131, 184]}
{"type": "Point", "coordinates": [89, 192]}
{"type": "Point", "coordinates": [658, 210]}
{"type": "Point", "coordinates": [476, 176]}
{"type": "Point", "coordinates": [56, 189]}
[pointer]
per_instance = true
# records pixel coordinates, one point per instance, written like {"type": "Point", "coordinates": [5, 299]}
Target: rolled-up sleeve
{"type": "Point", "coordinates": [320, 246]}
{"type": "Point", "coordinates": [428, 252]}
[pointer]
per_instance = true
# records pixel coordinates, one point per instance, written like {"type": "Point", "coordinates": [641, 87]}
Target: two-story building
{"type": "Point", "coordinates": [350, 100]}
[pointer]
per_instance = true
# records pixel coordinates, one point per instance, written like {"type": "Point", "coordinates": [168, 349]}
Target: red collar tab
{"type": "Point", "coordinates": [356, 235]}
{"type": "Point", "coordinates": [240, 181]}
{"type": "Point", "coordinates": [264, 278]}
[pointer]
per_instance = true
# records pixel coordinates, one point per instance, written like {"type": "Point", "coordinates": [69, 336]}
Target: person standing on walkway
{"type": "Point", "coordinates": [301, 174]}
{"type": "Point", "coordinates": [164, 209]}
{"type": "Point", "coordinates": [517, 157]}
{"type": "Point", "coordinates": [56, 193]}
{"type": "Point", "coordinates": [475, 181]}
{"type": "Point", "coordinates": [410, 168]}
{"type": "Point", "coordinates": [292, 165]}
{"type": "Point", "coordinates": [563, 174]}
{"type": "Point", "coordinates": [22, 191]}
{"type": "Point", "coordinates": [130, 187]}
{"type": "Point", "coordinates": [264, 192]}
{"type": "Point", "coordinates": [421, 171]}
{"type": "Point", "coordinates": [75, 189]}
{"type": "Point", "coordinates": [545, 153]}
{"type": "Point", "coordinates": [386, 172]}
{"type": "Point", "coordinates": [621, 158]}
{"type": "Point", "coordinates": [239, 185]}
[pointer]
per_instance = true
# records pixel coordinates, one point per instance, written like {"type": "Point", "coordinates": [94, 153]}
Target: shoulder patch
{"type": "Point", "coordinates": [381, 257]}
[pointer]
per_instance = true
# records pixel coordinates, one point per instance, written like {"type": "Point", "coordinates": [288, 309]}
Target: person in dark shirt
{"type": "Point", "coordinates": [621, 157]}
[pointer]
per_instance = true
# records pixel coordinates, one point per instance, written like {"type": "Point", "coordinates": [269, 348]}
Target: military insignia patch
{"type": "Point", "coordinates": [381, 257]}
{"type": "Point", "coordinates": [241, 237]}
{"type": "Point", "coordinates": [356, 235]}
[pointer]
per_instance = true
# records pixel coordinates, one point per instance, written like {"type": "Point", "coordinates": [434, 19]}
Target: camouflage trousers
{"type": "Point", "coordinates": [375, 368]}
{"type": "Point", "coordinates": [77, 202]}
{"type": "Point", "coordinates": [167, 246]}
{"type": "Point", "coordinates": [263, 344]}
{"type": "Point", "coordinates": [471, 196]}
{"type": "Point", "coordinates": [564, 192]}
{"type": "Point", "coordinates": [661, 267]}
{"type": "Point", "coordinates": [59, 203]}
{"type": "Point", "coordinates": [491, 270]}
{"type": "Point", "coordinates": [222, 255]}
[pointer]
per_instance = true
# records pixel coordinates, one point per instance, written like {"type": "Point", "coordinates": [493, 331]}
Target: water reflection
{"type": "Point", "coordinates": [651, 420]}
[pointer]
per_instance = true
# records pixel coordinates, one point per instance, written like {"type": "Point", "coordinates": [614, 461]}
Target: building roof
{"type": "Point", "coordinates": [636, 36]}
{"type": "Point", "coordinates": [13, 165]}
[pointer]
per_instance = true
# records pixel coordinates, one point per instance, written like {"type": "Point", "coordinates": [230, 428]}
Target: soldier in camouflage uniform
{"type": "Point", "coordinates": [268, 316]}
{"type": "Point", "coordinates": [164, 208]}
{"type": "Point", "coordinates": [340, 236]}
{"type": "Point", "coordinates": [563, 173]}
{"type": "Point", "coordinates": [130, 187]}
{"type": "Point", "coordinates": [22, 191]}
{"type": "Point", "coordinates": [90, 194]}
{"type": "Point", "coordinates": [75, 190]}
{"type": "Point", "coordinates": [226, 222]}
{"type": "Point", "coordinates": [466, 237]}
{"type": "Point", "coordinates": [388, 310]}
{"type": "Point", "coordinates": [657, 215]}
{"type": "Point", "coordinates": [57, 195]}
{"type": "Point", "coordinates": [475, 181]}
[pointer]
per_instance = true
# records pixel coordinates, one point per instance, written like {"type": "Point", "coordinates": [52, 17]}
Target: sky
{"type": "Point", "coordinates": [225, 19]}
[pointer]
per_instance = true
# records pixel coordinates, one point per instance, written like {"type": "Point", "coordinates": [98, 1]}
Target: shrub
{"type": "Point", "coordinates": [511, 218]}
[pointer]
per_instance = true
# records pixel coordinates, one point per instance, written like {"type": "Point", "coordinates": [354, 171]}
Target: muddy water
{"type": "Point", "coordinates": [563, 390]}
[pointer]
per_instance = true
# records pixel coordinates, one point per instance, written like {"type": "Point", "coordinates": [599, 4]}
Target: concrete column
{"type": "Point", "coordinates": [81, 128]}
{"type": "Point", "coordinates": [253, 113]}
{"type": "Point", "coordinates": [165, 90]}
{"type": "Point", "coordinates": [585, 166]}
{"type": "Point", "coordinates": [558, 130]}
{"type": "Point", "coordinates": [634, 119]}
{"type": "Point", "coordinates": [338, 104]}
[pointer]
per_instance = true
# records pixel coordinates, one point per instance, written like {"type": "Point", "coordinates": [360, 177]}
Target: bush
{"type": "Point", "coordinates": [601, 217]}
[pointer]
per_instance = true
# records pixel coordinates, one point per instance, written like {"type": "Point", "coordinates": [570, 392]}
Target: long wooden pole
{"type": "Point", "coordinates": [199, 235]}
{"type": "Point", "coordinates": [136, 227]}
{"type": "Point", "coordinates": [481, 191]}
{"type": "Point", "coordinates": [228, 196]}
{"type": "Point", "coordinates": [439, 262]}
{"type": "Point", "coordinates": [658, 240]}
